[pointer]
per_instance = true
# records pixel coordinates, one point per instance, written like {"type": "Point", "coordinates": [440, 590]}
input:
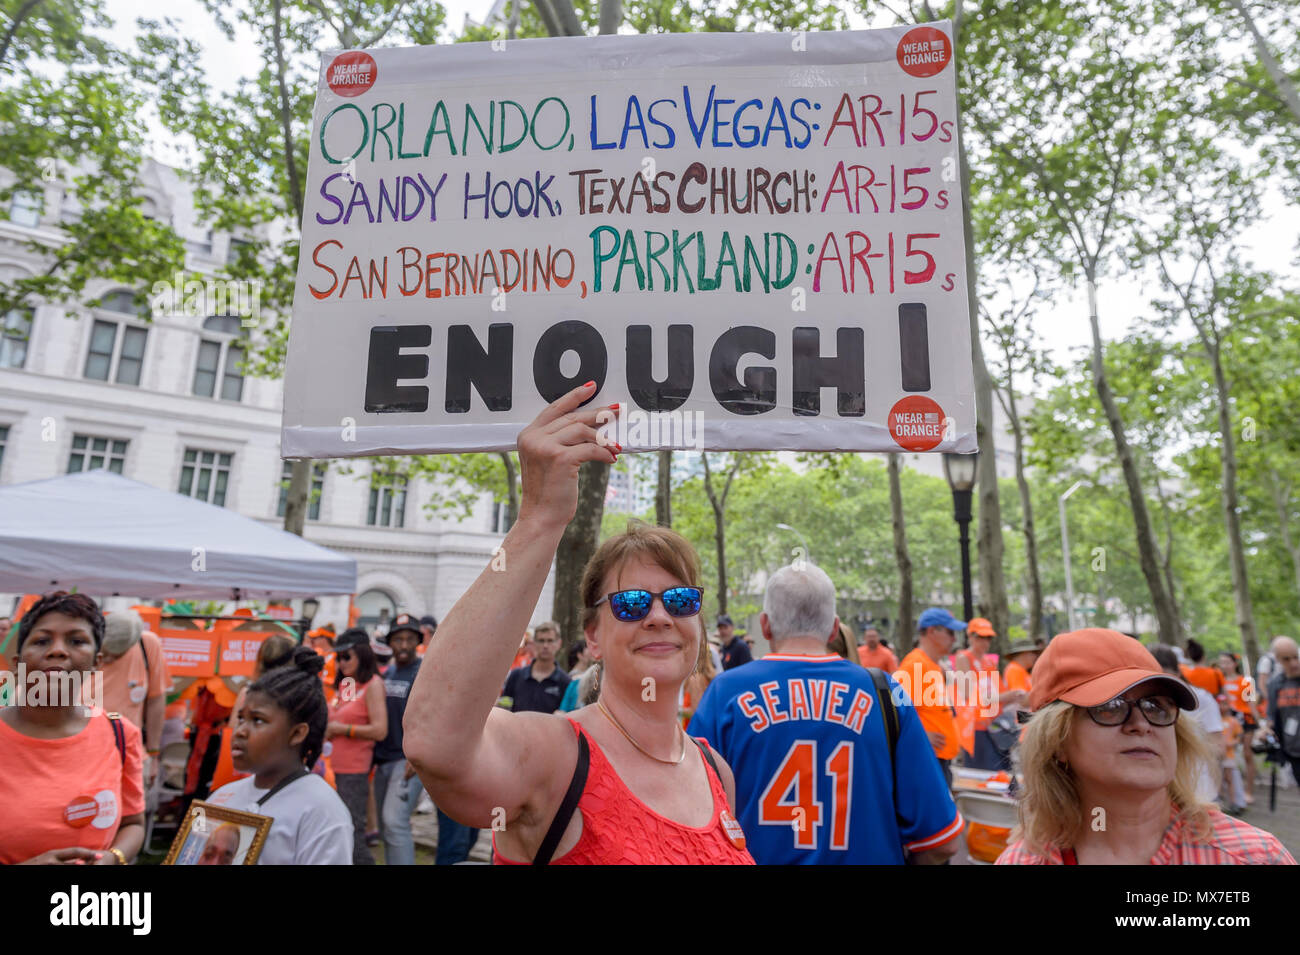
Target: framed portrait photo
{"type": "Point", "coordinates": [215, 835]}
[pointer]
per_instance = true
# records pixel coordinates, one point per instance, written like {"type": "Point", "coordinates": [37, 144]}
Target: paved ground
{"type": "Point", "coordinates": [1285, 821]}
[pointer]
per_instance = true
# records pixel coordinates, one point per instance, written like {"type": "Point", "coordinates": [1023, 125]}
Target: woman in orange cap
{"type": "Point", "coordinates": [1110, 766]}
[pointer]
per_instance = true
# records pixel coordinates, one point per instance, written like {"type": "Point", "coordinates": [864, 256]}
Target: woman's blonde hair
{"type": "Point", "coordinates": [1051, 814]}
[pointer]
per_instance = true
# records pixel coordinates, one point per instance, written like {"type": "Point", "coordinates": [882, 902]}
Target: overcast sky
{"type": "Point", "coordinates": [1272, 243]}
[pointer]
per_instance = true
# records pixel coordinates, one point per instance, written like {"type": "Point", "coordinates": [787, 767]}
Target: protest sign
{"type": "Point", "coordinates": [751, 241]}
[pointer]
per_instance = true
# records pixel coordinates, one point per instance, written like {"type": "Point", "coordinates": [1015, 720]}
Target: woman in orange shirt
{"type": "Point", "coordinates": [72, 789]}
{"type": "Point", "coordinates": [358, 719]}
{"type": "Point", "coordinates": [1241, 692]}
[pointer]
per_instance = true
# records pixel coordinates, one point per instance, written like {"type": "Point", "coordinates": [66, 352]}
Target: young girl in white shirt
{"type": "Point", "coordinates": [279, 729]}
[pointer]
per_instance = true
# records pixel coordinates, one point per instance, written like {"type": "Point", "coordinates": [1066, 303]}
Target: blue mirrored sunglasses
{"type": "Point", "coordinates": [633, 605]}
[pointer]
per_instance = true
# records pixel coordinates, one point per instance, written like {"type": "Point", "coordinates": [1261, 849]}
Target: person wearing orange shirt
{"type": "Point", "coordinates": [873, 653]}
{"type": "Point", "coordinates": [976, 658]}
{"type": "Point", "coordinates": [1207, 678]}
{"type": "Point", "coordinates": [1016, 678]}
{"type": "Point", "coordinates": [926, 684]}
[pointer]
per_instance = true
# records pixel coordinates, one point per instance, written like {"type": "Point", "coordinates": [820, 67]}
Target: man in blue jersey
{"type": "Point", "coordinates": [804, 732]}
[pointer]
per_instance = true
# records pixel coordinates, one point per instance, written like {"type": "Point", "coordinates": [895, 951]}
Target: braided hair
{"type": "Point", "coordinates": [296, 688]}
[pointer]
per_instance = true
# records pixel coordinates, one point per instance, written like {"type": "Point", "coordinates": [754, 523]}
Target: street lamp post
{"type": "Point", "coordinates": [959, 469]}
{"type": "Point", "coordinates": [1065, 551]}
{"type": "Point", "coordinates": [309, 608]}
{"type": "Point", "coordinates": [806, 555]}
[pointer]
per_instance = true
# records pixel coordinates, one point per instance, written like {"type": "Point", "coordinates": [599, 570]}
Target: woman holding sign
{"type": "Point", "coordinates": [618, 782]}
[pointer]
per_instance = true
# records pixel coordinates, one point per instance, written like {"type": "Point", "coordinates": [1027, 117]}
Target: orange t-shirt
{"type": "Point", "coordinates": [1231, 736]}
{"type": "Point", "coordinates": [926, 685]}
{"type": "Point", "coordinates": [882, 657]}
{"type": "Point", "coordinates": [1235, 688]}
{"type": "Point", "coordinates": [128, 683]}
{"type": "Point", "coordinates": [46, 780]}
{"type": "Point", "coordinates": [1015, 677]}
{"type": "Point", "coordinates": [1207, 678]}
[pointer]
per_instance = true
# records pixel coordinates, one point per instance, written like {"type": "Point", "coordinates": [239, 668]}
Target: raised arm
{"type": "Point", "coordinates": [473, 757]}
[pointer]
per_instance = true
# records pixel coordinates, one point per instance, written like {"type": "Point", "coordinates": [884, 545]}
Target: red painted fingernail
{"type": "Point", "coordinates": [620, 448]}
{"type": "Point", "coordinates": [614, 407]}
{"type": "Point", "coordinates": [588, 384]}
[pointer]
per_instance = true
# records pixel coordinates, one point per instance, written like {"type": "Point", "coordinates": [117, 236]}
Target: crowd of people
{"type": "Point", "coordinates": [654, 742]}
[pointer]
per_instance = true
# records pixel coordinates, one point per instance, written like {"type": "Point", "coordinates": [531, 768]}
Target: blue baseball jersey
{"type": "Point", "coordinates": [805, 737]}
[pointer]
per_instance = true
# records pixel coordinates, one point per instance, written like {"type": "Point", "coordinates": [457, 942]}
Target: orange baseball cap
{"type": "Point", "coordinates": [1089, 667]}
{"type": "Point", "coordinates": [981, 627]}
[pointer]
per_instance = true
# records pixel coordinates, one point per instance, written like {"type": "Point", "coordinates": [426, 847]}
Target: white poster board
{"type": "Point", "coordinates": [751, 241]}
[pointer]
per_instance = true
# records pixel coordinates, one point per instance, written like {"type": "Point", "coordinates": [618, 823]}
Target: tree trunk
{"type": "Point", "coordinates": [295, 500]}
{"type": "Point", "coordinates": [512, 491]}
{"type": "Point", "coordinates": [1286, 90]}
{"type": "Point", "coordinates": [1231, 513]}
{"type": "Point", "coordinates": [903, 624]}
{"type": "Point", "coordinates": [1161, 600]}
{"type": "Point", "coordinates": [992, 602]}
{"type": "Point", "coordinates": [576, 547]}
{"type": "Point", "coordinates": [664, 491]}
{"type": "Point", "coordinates": [1281, 498]}
{"type": "Point", "coordinates": [720, 542]}
{"type": "Point", "coordinates": [1027, 506]}
{"type": "Point", "coordinates": [1167, 558]}
{"type": "Point", "coordinates": [611, 16]}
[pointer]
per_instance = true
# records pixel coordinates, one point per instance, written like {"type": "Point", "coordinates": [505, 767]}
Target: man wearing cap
{"type": "Point", "coordinates": [428, 627]}
{"type": "Point", "coordinates": [1105, 763]}
{"type": "Point", "coordinates": [135, 679]}
{"type": "Point", "coordinates": [735, 651]}
{"type": "Point", "coordinates": [1016, 680]}
{"type": "Point", "coordinates": [926, 684]}
{"type": "Point", "coordinates": [979, 701]}
{"type": "Point", "coordinates": [397, 788]}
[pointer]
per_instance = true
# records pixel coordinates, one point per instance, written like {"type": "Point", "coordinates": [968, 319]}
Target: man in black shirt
{"type": "Point", "coordinates": [397, 788]}
{"type": "Point", "coordinates": [735, 651]}
{"type": "Point", "coordinates": [538, 687]}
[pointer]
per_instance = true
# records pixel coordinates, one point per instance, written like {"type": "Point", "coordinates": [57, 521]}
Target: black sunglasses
{"type": "Point", "coordinates": [343, 655]}
{"type": "Point", "coordinates": [633, 605]}
{"type": "Point", "coordinates": [1158, 711]}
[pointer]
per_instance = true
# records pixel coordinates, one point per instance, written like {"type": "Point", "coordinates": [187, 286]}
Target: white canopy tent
{"type": "Point", "coordinates": [107, 535]}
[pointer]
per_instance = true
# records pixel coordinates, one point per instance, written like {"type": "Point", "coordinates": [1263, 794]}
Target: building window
{"type": "Point", "coordinates": [235, 249]}
{"type": "Point", "coordinates": [317, 488]}
{"type": "Point", "coordinates": [4, 439]}
{"type": "Point", "coordinates": [220, 360]}
{"type": "Point", "coordinates": [15, 333]}
{"type": "Point", "coordinates": [25, 208]}
{"type": "Point", "coordinates": [89, 452]}
{"type": "Point", "coordinates": [108, 349]}
{"type": "Point", "coordinates": [387, 499]}
{"type": "Point", "coordinates": [205, 475]}
{"type": "Point", "coordinates": [125, 302]}
{"type": "Point", "coordinates": [499, 525]}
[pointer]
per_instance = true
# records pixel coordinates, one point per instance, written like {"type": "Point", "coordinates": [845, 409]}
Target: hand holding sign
{"type": "Point", "coordinates": [551, 449]}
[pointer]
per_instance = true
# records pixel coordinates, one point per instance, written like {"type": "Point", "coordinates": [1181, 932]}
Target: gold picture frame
{"type": "Point", "coordinates": [216, 835]}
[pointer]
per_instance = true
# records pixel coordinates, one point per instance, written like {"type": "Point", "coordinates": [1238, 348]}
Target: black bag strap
{"type": "Point", "coordinates": [294, 776]}
{"type": "Point", "coordinates": [567, 805]}
{"type": "Point", "coordinates": [708, 755]}
{"type": "Point", "coordinates": [119, 735]}
{"type": "Point", "coordinates": [889, 713]}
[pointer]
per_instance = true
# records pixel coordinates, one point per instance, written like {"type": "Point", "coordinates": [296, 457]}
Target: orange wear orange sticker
{"type": "Point", "coordinates": [731, 829]}
{"type": "Point", "coordinates": [916, 423]}
{"type": "Point", "coordinates": [80, 811]}
{"type": "Point", "coordinates": [924, 52]}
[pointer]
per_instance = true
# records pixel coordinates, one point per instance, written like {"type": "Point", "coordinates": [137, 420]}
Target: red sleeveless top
{"type": "Point", "coordinates": [619, 829]}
